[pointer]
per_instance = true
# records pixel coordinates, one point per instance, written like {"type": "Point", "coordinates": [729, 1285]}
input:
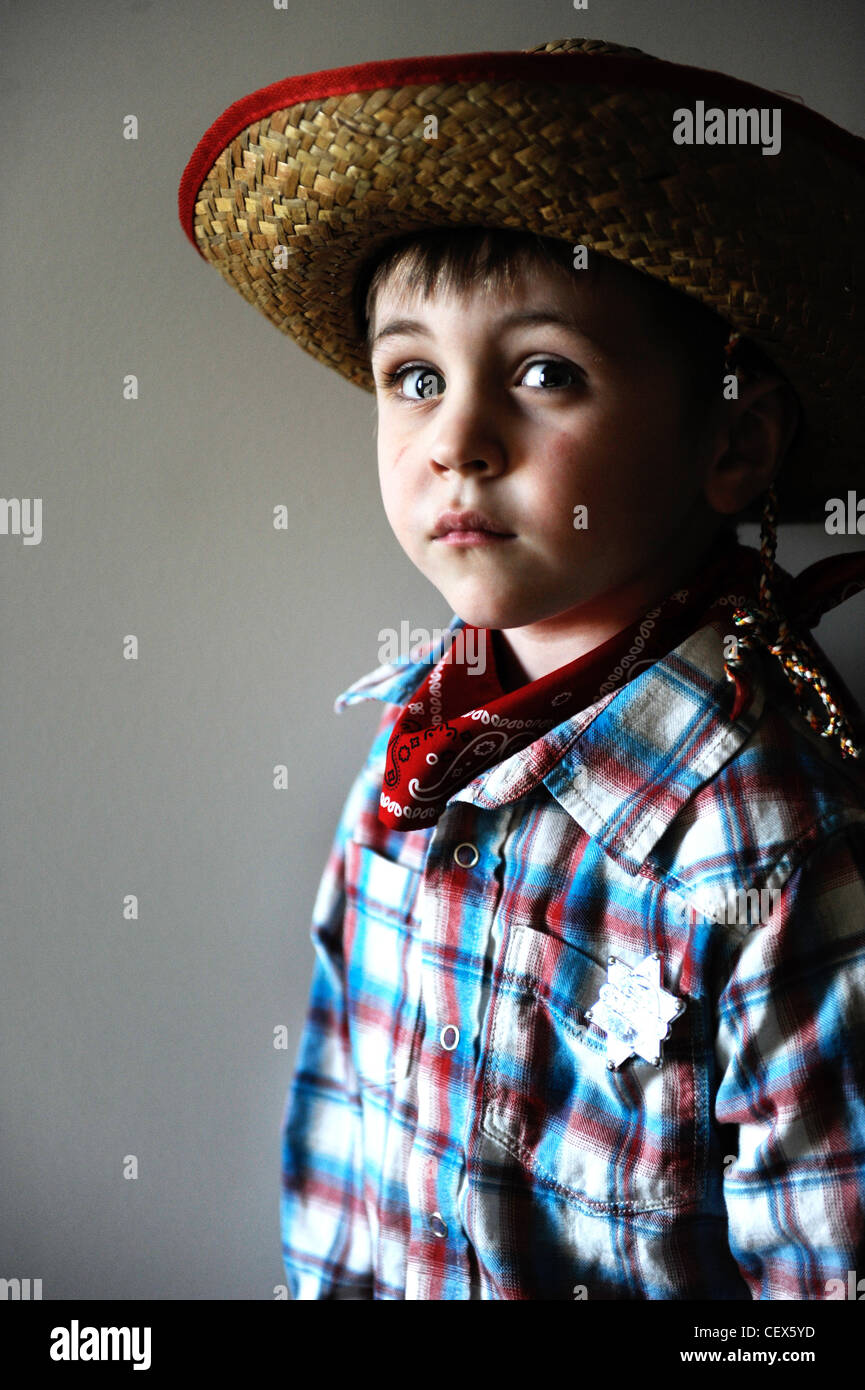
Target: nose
{"type": "Point", "coordinates": [466, 437]}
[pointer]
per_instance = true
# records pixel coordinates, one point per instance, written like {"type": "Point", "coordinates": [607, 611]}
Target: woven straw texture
{"type": "Point", "coordinates": [773, 243]}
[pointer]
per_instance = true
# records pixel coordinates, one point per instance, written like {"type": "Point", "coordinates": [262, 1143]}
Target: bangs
{"type": "Point", "coordinates": [446, 260]}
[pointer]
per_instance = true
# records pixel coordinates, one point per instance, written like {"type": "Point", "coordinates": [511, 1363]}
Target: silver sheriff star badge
{"type": "Point", "coordinates": [634, 1011]}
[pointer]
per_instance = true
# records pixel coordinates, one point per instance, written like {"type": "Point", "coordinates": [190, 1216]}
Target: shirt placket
{"type": "Point", "coordinates": [458, 911]}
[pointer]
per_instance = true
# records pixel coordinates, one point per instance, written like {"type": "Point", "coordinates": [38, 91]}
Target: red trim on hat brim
{"type": "Point", "coordinates": [591, 68]}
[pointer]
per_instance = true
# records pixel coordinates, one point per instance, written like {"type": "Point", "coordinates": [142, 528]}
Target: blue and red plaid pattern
{"type": "Point", "coordinates": [453, 1131]}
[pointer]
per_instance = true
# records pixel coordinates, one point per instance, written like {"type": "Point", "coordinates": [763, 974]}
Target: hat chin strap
{"type": "Point", "coordinates": [764, 625]}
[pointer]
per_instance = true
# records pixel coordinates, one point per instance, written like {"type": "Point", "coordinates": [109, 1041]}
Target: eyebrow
{"type": "Point", "coordinates": [526, 317]}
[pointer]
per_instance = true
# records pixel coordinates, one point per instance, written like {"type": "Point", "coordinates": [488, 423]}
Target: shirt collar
{"type": "Point", "coordinates": [394, 682]}
{"type": "Point", "coordinates": [624, 767]}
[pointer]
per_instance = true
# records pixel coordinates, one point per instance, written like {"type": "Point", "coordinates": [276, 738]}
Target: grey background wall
{"type": "Point", "coordinates": [155, 1037]}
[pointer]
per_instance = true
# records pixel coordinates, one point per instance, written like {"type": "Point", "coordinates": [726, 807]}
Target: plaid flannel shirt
{"type": "Point", "coordinates": [453, 1130]}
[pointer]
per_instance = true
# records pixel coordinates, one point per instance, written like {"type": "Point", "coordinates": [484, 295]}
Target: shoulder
{"type": "Point", "coordinates": [784, 799]}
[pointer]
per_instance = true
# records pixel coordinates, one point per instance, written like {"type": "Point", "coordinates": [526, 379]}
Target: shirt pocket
{"type": "Point", "coordinates": [382, 951]}
{"type": "Point", "coordinates": [622, 1141]}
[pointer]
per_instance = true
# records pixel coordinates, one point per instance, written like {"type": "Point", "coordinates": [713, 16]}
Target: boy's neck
{"type": "Point", "coordinates": [527, 654]}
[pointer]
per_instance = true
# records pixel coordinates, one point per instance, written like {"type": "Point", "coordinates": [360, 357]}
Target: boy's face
{"type": "Point", "coordinates": [528, 421]}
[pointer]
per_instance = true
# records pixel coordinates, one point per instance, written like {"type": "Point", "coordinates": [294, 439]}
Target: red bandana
{"type": "Point", "coordinates": [458, 724]}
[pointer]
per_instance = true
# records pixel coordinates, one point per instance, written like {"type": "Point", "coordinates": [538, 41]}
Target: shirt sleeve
{"type": "Point", "coordinates": [326, 1240]}
{"type": "Point", "coordinates": [791, 1050]}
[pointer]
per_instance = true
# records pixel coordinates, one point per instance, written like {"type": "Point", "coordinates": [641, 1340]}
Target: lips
{"type": "Point", "coordinates": [469, 521]}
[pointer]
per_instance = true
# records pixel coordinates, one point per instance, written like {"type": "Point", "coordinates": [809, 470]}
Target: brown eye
{"type": "Point", "coordinates": [424, 382]}
{"type": "Point", "coordinates": [554, 374]}
{"type": "Point", "coordinates": [428, 384]}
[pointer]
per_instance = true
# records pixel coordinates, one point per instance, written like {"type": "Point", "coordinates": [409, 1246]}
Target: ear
{"type": "Point", "coordinates": [750, 438]}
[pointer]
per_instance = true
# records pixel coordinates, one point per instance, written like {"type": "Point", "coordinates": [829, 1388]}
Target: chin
{"type": "Point", "coordinates": [502, 605]}
{"type": "Point", "coordinates": [496, 614]}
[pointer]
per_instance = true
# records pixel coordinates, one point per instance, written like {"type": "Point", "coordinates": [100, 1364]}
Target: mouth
{"type": "Point", "coordinates": [470, 528]}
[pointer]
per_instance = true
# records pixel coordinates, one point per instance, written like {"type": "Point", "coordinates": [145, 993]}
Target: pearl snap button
{"type": "Point", "coordinates": [437, 1226]}
{"type": "Point", "coordinates": [466, 863]}
{"type": "Point", "coordinates": [449, 1037]}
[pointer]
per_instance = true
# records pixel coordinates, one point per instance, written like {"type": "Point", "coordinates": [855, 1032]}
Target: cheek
{"type": "Point", "coordinates": [568, 475]}
{"type": "Point", "coordinates": [644, 445]}
{"type": "Point", "coordinates": [587, 461]}
{"type": "Point", "coordinates": [389, 449]}
{"type": "Point", "coordinates": [625, 461]}
{"type": "Point", "coordinates": [567, 469]}
{"type": "Point", "coordinates": [395, 484]}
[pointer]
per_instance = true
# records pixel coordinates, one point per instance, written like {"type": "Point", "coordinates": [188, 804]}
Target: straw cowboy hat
{"type": "Point", "coordinates": [739, 197]}
{"type": "Point", "coordinates": [294, 188]}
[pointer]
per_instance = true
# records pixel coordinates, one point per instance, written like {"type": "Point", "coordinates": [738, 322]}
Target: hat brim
{"type": "Point", "coordinates": [578, 146]}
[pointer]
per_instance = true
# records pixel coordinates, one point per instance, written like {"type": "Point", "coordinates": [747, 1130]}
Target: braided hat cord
{"type": "Point", "coordinates": [764, 625]}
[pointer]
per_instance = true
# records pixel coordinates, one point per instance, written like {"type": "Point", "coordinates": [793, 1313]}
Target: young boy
{"type": "Point", "coordinates": [588, 1006]}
